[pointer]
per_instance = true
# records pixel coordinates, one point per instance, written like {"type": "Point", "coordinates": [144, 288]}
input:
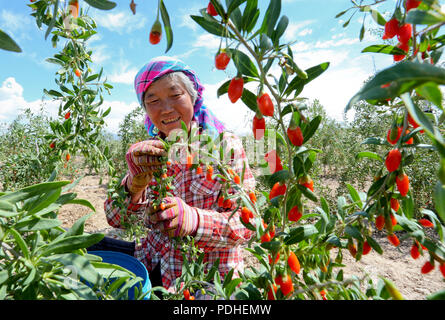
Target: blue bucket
{"type": "Point", "coordinates": [130, 263]}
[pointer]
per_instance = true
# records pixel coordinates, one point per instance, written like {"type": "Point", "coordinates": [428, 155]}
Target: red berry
{"type": "Point", "coordinates": [442, 269]}
{"type": "Point", "coordinates": [427, 267]}
{"type": "Point", "coordinates": [391, 29]}
{"type": "Point", "coordinates": [294, 214]}
{"type": "Point", "coordinates": [227, 204]}
{"type": "Point", "coordinates": [380, 222]}
{"type": "Point", "coordinates": [286, 285]}
{"type": "Point", "coordinates": [426, 223]}
{"type": "Point", "coordinates": [405, 32]}
{"type": "Point", "coordinates": [392, 137]}
{"type": "Point", "coordinates": [402, 182]}
{"type": "Point", "coordinates": [270, 293]}
{"type": "Point", "coordinates": [258, 127]}
{"type": "Point", "coordinates": [415, 251]}
{"type": "Point", "coordinates": [221, 61]}
{"type": "Point", "coordinates": [352, 249]}
{"type": "Point", "coordinates": [277, 258]}
{"type": "Point", "coordinates": [395, 204]}
{"type": "Point", "coordinates": [237, 179]}
{"type": "Point", "coordinates": [293, 262]}
{"type": "Point", "coordinates": [221, 202]}
{"type": "Point", "coordinates": [245, 215]}
{"type": "Point", "coordinates": [410, 140]}
{"type": "Point", "coordinates": [393, 239]}
{"type": "Point", "coordinates": [274, 161]}
{"type": "Point", "coordinates": [52, 145]}
{"type": "Point", "coordinates": [236, 88]}
{"type": "Point", "coordinates": [211, 9]}
{"type": "Point", "coordinates": [199, 170]}
{"type": "Point", "coordinates": [277, 190]}
{"type": "Point", "coordinates": [67, 157]}
{"type": "Point", "coordinates": [252, 196]}
{"type": "Point", "coordinates": [366, 248]}
{"type": "Point", "coordinates": [265, 105]}
{"type": "Point", "coordinates": [156, 32]}
{"type": "Point", "coordinates": [77, 72]}
{"type": "Point", "coordinates": [393, 160]}
{"type": "Point", "coordinates": [295, 136]}
{"type": "Point", "coordinates": [67, 115]}
{"type": "Point", "coordinates": [307, 182]}
{"type": "Point", "coordinates": [412, 4]}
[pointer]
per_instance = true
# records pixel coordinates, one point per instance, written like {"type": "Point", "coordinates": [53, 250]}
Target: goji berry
{"type": "Point", "coordinates": [265, 104]}
{"type": "Point", "coordinates": [415, 251]}
{"type": "Point", "coordinates": [426, 223]}
{"type": "Point", "coordinates": [293, 262]}
{"type": "Point", "coordinates": [295, 136]}
{"type": "Point", "coordinates": [221, 201]}
{"type": "Point", "coordinates": [265, 237]}
{"type": "Point", "coordinates": [323, 294]}
{"type": "Point", "coordinates": [274, 261]}
{"type": "Point", "coordinates": [393, 219]}
{"type": "Point", "coordinates": [412, 4]}
{"type": "Point", "coordinates": [186, 293]}
{"type": "Point", "coordinates": [52, 145]}
{"type": "Point", "coordinates": [402, 182]}
{"type": "Point", "coordinates": [410, 140]}
{"type": "Point", "coordinates": [405, 32]}
{"type": "Point", "coordinates": [67, 115]}
{"type": "Point", "coordinates": [278, 189]}
{"type": "Point", "coordinates": [155, 32]}
{"type": "Point", "coordinates": [246, 214]}
{"type": "Point", "coordinates": [427, 267]}
{"type": "Point", "coordinates": [189, 161]}
{"type": "Point", "coordinates": [286, 285]}
{"type": "Point", "coordinates": [252, 196]}
{"type": "Point", "coordinates": [77, 72]}
{"type": "Point", "coordinates": [258, 127]}
{"type": "Point", "coordinates": [442, 269]}
{"type": "Point", "coordinates": [271, 294]}
{"type": "Point", "coordinates": [211, 9]}
{"type": "Point", "coordinates": [222, 60]}
{"type": "Point", "coordinates": [227, 204]}
{"type": "Point", "coordinates": [199, 170]}
{"type": "Point", "coordinates": [352, 249]}
{"type": "Point", "coordinates": [237, 179]}
{"type": "Point", "coordinates": [294, 214]}
{"type": "Point", "coordinates": [393, 239]}
{"type": "Point", "coordinates": [393, 160]}
{"type": "Point", "coordinates": [74, 8]}
{"type": "Point", "coordinates": [307, 182]}
{"type": "Point", "coordinates": [236, 87]}
{"type": "Point", "coordinates": [393, 136]}
{"type": "Point", "coordinates": [395, 204]}
{"type": "Point", "coordinates": [68, 157]}
{"type": "Point", "coordinates": [366, 248]}
{"type": "Point", "coordinates": [391, 29]}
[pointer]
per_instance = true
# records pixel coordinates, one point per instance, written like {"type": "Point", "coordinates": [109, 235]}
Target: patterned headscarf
{"type": "Point", "coordinates": [160, 66]}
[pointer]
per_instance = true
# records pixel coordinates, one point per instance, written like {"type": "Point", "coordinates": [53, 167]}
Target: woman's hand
{"type": "Point", "coordinates": [176, 220]}
{"type": "Point", "coordinates": [143, 158]}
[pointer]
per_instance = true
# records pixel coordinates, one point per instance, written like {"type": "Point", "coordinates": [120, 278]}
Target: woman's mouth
{"type": "Point", "coordinates": [171, 120]}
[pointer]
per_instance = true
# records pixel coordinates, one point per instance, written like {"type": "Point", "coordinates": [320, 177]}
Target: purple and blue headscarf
{"type": "Point", "coordinates": [160, 66]}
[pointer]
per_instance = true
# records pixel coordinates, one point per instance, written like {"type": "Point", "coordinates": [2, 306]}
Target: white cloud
{"type": "Point", "coordinates": [12, 101]}
{"type": "Point", "coordinates": [293, 29]}
{"type": "Point", "coordinates": [120, 22]}
{"type": "Point", "coordinates": [123, 73]}
{"type": "Point", "coordinates": [119, 110]}
{"type": "Point", "coordinates": [305, 32]}
{"type": "Point", "coordinates": [207, 41]}
{"type": "Point", "coordinates": [15, 24]}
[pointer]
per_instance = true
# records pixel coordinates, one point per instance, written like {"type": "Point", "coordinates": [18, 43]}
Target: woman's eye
{"type": "Point", "coordinates": [152, 102]}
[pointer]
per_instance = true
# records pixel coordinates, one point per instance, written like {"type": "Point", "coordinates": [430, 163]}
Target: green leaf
{"type": "Point", "coordinates": [431, 92]}
{"type": "Point", "coordinates": [417, 114]}
{"type": "Point", "coordinates": [271, 17]}
{"type": "Point", "coordinates": [439, 295]}
{"type": "Point", "coordinates": [374, 245]}
{"type": "Point", "coordinates": [7, 43]}
{"type": "Point", "coordinates": [403, 77]}
{"type": "Point", "coordinates": [31, 191]}
{"type": "Point", "coordinates": [307, 193]}
{"type": "Point", "coordinates": [378, 17]}
{"type": "Point", "coordinates": [167, 26]}
{"type": "Point", "coordinates": [300, 233]}
{"type": "Point", "coordinates": [353, 232]}
{"type": "Point", "coordinates": [370, 155]}
{"type": "Point", "coordinates": [212, 27]}
{"type": "Point", "coordinates": [383, 48]}
{"type": "Point", "coordinates": [417, 16]}
{"type": "Point", "coordinates": [71, 243]}
{"type": "Point", "coordinates": [234, 5]}
{"type": "Point", "coordinates": [281, 28]}
{"type": "Point", "coordinates": [310, 130]}
{"type": "Point", "coordinates": [34, 224]}
{"type": "Point", "coordinates": [243, 63]}
{"type": "Point", "coordinates": [20, 242]}
{"type": "Point", "coordinates": [83, 202]}
{"type": "Point", "coordinates": [101, 4]}
{"type": "Point", "coordinates": [250, 15]}
{"type": "Point", "coordinates": [354, 195]}
{"type": "Point", "coordinates": [53, 19]}
{"type": "Point", "coordinates": [375, 141]}
{"type": "Point", "coordinates": [249, 99]}
{"type": "Point", "coordinates": [439, 200]}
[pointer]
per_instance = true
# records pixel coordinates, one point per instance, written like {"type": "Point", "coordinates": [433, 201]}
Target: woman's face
{"type": "Point", "coordinates": [167, 102]}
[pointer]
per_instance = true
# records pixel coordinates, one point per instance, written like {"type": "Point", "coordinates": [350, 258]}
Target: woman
{"type": "Point", "coordinates": [170, 92]}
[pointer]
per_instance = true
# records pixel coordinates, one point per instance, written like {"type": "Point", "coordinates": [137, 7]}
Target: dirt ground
{"type": "Point", "coordinates": [395, 264]}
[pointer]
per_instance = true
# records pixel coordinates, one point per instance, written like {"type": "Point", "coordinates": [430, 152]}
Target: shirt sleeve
{"type": "Point", "coordinates": [224, 229]}
{"type": "Point", "coordinates": [118, 213]}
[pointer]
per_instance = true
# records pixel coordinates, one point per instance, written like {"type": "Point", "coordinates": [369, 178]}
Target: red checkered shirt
{"type": "Point", "coordinates": [218, 236]}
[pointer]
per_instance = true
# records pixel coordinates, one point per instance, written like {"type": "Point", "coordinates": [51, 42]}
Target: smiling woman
{"type": "Point", "coordinates": [170, 92]}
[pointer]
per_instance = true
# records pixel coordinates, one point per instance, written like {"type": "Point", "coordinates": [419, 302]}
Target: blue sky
{"type": "Point", "coordinates": [121, 47]}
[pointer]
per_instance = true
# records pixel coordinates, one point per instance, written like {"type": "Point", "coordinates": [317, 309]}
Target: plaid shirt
{"type": "Point", "coordinates": [218, 236]}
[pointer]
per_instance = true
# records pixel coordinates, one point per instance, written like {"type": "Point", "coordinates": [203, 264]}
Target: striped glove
{"type": "Point", "coordinates": [143, 158]}
{"type": "Point", "coordinates": [178, 219]}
